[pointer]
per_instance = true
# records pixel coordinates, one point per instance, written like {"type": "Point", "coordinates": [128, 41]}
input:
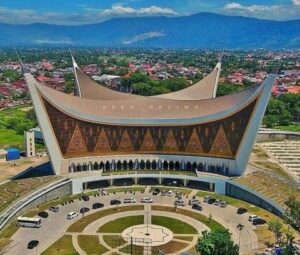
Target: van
{"type": "Point", "coordinates": [129, 200]}
{"type": "Point", "coordinates": [72, 215]}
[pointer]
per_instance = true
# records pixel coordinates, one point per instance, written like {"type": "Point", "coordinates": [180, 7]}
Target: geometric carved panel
{"type": "Point", "coordinates": [218, 138]}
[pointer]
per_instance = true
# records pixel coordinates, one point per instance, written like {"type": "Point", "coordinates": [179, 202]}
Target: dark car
{"type": "Point", "coordinates": [85, 198]}
{"type": "Point", "coordinates": [258, 221]}
{"type": "Point", "coordinates": [156, 192]}
{"type": "Point", "coordinates": [211, 200]}
{"type": "Point", "coordinates": [241, 210]}
{"type": "Point", "coordinates": [43, 214]}
{"type": "Point", "coordinates": [115, 202]}
{"type": "Point", "coordinates": [97, 205]}
{"type": "Point", "coordinates": [197, 207]}
{"type": "Point", "coordinates": [84, 210]}
{"type": "Point", "coordinates": [32, 244]}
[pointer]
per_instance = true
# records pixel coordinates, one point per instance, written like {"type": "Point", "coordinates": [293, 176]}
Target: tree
{"type": "Point", "coordinates": [292, 213]}
{"type": "Point", "coordinates": [276, 227]}
{"type": "Point", "coordinates": [217, 242]}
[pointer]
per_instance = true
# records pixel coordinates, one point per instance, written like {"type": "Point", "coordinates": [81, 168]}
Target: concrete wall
{"type": "Point", "coordinates": [244, 193]}
{"type": "Point", "coordinates": [277, 136]}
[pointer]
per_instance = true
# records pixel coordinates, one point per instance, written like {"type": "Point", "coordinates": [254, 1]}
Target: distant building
{"type": "Point", "coordinates": [38, 136]}
{"type": "Point", "coordinates": [29, 144]}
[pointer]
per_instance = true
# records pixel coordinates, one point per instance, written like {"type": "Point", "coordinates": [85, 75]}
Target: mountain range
{"type": "Point", "coordinates": [203, 30]}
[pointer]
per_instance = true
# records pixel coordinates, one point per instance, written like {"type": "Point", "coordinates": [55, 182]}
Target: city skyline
{"type": "Point", "coordinates": [88, 12]}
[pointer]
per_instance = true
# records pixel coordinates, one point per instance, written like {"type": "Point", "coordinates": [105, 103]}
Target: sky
{"type": "Point", "coordinates": [76, 12]}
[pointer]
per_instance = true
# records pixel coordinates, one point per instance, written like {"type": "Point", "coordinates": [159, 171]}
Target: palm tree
{"type": "Point", "coordinates": [240, 227]}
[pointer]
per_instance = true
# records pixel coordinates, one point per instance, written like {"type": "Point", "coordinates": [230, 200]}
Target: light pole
{"type": "Point", "coordinates": [240, 227]}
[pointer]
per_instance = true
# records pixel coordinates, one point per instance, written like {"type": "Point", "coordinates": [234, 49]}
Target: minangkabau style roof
{"type": "Point", "coordinates": [204, 89]}
{"type": "Point", "coordinates": [146, 110]}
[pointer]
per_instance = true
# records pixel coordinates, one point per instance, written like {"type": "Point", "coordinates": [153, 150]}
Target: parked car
{"type": "Point", "coordinates": [217, 202]}
{"type": "Point", "coordinates": [85, 198]}
{"type": "Point", "coordinates": [146, 200]}
{"type": "Point", "coordinates": [97, 205]}
{"type": "Point", "coordinates": [129, 200]}
{"type": "Point", "coordinates": [252, 217]}
{"type": "Point", "coordinates": [84, 210]}
{"type": "Point", "coordinates": [194, 202]}
{"type": "Point", "coordinates": [206, 199]}
{"type": "Point", "coordinates": [163, 193]}
{"type": "Point", "coordinates": [179, 195]}
{"type": "Point", "coordinates": [32, 244]}
{"type": "Point", "coordinates": [54, 209]}
{"type": "Point", "coordinates": [197, 207]}
{"type": "Point", "coordinates": [72, 215]}
{"type": "Point", "coordinates": [156, 192]}
{"type": "Point", "coordinates": [223, 204]}
{"type": "Point", "coordinates": [115, 202]}
{"type": "Point", "coordinates": [170, 193]}
{"type": "Point", "coordinates": [258, 221]}
{"type": "Point", "coordinates": [211, 200]}
{"type": "Point", "coordinates": [241, 210]}
{"type": "Point", "coordinates": [43, 214]}
{"type": "Point", "coordinates": [179, 203]}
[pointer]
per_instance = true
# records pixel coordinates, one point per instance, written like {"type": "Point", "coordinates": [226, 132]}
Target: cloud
{"type": "Point", "coordinates": [296, 2]}
{"type": "Point", "coordinates": [142, 37]}
{"type": "Point", "coordinates": [87, 16]}
{"type": "Point", "coordinates": [274, 12]}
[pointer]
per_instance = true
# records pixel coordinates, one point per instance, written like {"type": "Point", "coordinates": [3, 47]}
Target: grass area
{"type": "Point", "coordinates": [91, 244]}
{"type": "Point", "coordinates": [171, 247]}
{"type": "Point", "coordinates": [113, 241]}
{"type": "Point", "coordinates": [185, 238]}
{"type": "Point", "coordinates": [118, 225]}
{"type": "Point", "coordinates": [10, 138]}
{"type": "Point", "coordinates": [133, 249]}
{"type": "Point", "coordinates": [185, 191]}
{"type": "Point", "coordinates": [276, 189]}
{"type": "Point", "coordinates": [176, 226]}
{"type": "Point", "coordinates": [62, 246]}
{"type": "Point", "coordinates": [13, 121]}
{"type": "Point", "coordinates": [293, 128]}
{"type": "Point", "coordinates": [273, 167]}
{"type": "Point", "coordinates": [211, 223]}
{"type": "Point", "coordinates": [6, 234]}
{"type": "Point", "coordinates": [13, 190]}
{"type": "Point", "coordinates": [79, 225]}
{"type": "Point", "coordinates": [127, 189]}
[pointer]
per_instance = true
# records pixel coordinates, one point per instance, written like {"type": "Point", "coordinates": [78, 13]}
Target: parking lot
{"type": "Point", "coordinates": [57, 223]}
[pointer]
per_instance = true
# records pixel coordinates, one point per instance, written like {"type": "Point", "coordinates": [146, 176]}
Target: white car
{"type": "Point", "coordinates": [194, 202]}
{"type": "Point", "coordinates": [129, 200]}
{"type": "Point", "coordinates": [72, 215]}
{"type": "Point", "coordinates": [170, 193]}
{"type": "Point", "coordinates": [146, 200]}
{"type": "Point", "coordinates": [179, 203]}
{"type": "Point", "coordinates": [252, 217]}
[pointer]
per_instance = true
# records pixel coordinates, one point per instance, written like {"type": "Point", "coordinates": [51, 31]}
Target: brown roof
{"type": "Point", "coordinates": [203, 89]}
{"type": "Point", "coordinates": [142, 107]}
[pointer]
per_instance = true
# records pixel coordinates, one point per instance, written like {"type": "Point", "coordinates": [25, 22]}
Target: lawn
{"type": "Point", "coordinates": [176, 226]}
{"type": "Point", "coordinates": [184, 238]}
{"type": "Point", "coordinates": [211, 223]}
{"type": "Point", "coordinates": [293, 128]}
{"type": "Point", "coordinates": [118, 225]}
{"type": "Point", "coordinates": [91, 244]}
{"type": "Point", "coordinates": [62, 246]}
{"type": "Point", "coordinates": [113, 241]}
{"type": "Point", "coordinates": [6, 233]}
{"type": "Point", "coordinates": [171, 247]}
{"type": "Point", "coordinates": [10, 138]}
{"type": "Point", "coordinates": [79, 225]}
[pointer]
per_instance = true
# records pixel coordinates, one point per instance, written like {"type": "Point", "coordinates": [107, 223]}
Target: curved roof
{"type": "Point", "coordinates": [88, 88]}
{"type": "Point", "coordinates": [146, 109]}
